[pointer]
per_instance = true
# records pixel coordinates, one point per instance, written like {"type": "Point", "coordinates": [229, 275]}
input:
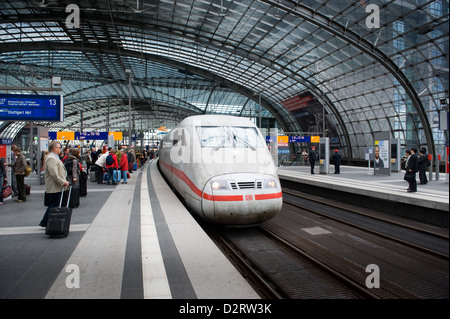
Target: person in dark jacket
{"type": "Point", "coordinates": [19, 167]}
{"type": "Point", "coordinates": [13, 173]}
{"type": "Point", "coordinates": [3, 179]}
{"type": "Point", "coordinates": [411, 167]}
{"type": "Point", "coordinates": [131, 160]}
{"type": "Point", "coordinates": [65, 154]}
{"type": "Point", "coordinates": [312, 159]}
{"type": "Point", "coordinates": [72, 164]}
{"type": "Point", "coordinates": [337, 162]}
{"type": "Point", "coordinates": [94, 157]}
{"type": "Point", "coordinates": [423, 164]}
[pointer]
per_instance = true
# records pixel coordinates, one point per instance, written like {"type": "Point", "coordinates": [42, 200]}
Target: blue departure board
{"type": "Point", "coordinates": [300, 139]}
{"type": "Point", "coordinates": [27, 107]}
{"type": "Point", "coordinates": [82, 136]}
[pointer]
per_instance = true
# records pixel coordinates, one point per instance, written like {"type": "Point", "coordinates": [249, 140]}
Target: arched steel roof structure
{"type": "Point", "coordinates": [226, 56]}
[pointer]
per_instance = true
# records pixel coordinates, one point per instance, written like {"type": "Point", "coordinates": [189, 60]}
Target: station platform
{"type": "Point", "coordinates": [129, 241]}
{"type": "Point", "coordinates": [387, 192]}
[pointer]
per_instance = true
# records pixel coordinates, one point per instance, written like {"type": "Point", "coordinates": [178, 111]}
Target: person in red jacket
{"type": "Point", "coordinates": [111, 166]}
{"type": "Point", "coordinates": [124, 166]}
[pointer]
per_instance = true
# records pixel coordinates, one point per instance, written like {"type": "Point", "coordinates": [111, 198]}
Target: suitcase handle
{"type": "Point", "coordinates": [62, 195]}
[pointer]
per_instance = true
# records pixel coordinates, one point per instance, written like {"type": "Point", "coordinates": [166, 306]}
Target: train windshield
{"type": "Point", "coordinates": [229, 137]}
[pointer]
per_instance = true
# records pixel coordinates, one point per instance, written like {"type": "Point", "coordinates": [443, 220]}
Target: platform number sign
{"type": "Point", "coordinates": [29, 107]}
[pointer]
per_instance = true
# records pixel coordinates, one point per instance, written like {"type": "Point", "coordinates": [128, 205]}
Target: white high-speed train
{"type": "Point", "coordinates": [222, 168]}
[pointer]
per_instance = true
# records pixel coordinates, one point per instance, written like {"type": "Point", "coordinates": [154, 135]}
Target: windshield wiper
{"type": "Point", "coordinates": [245, 142]}
{"type": "Point", "coordinates": [222, 144]}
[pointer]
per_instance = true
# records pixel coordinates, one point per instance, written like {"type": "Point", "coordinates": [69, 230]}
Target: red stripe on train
{"type": "Point", "coordinates": [224, 198]}
{"type": "Point", "coordinates": [184, 178]}
{"type": "Point", "coordinates": [268, 196]}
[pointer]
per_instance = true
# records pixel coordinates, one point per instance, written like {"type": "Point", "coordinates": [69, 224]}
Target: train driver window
{"type": "Point", "coordinates": [229, 137]}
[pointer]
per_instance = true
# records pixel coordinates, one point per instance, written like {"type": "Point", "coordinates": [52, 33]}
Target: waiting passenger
{"type": "Point", "coordinates": [124, 166]}
{"type": "Point", "coordinates": [423, 164]}
{"type": "Point", "coordinates": [100, 164]}
{"type": "Point", "coordinates": [337, 162]}
{"type": "Point", "coordinates": [55, 178]}
{"type": "Point", "coordinates": [88, 160]}
{"type": "Point", "coordinates": [111, 166]}
{"type": "Point", "coordinates": [65, 154]}
{"type": "Point", "coordinates": [94, 157]}
{"type": "Point", "coordinates": [3, 179]}
{"type": "Point", "coordinates": [304, 157]}
{"type": "Point", "coordinates": [411, 167]}
{"type": "Point", "coordinates": [72, 164]}
{"type": "Point", "coordinates": [13, 173]}
{"type": "Point", "coordinates": [20, 166]}
{"type": "Point", "coordinates": [312, 159]}
{"type": "Point", "coordinates": [131, 160]}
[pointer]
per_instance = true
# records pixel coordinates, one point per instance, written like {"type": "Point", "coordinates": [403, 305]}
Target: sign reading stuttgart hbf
{"type": "Point", "coordinates": [28, 107]}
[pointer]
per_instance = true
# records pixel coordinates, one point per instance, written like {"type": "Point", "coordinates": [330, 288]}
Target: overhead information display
{"type": "Point", "coordinates": [28, 107]}
{"type": "Point", "coordinates": [76, 136]}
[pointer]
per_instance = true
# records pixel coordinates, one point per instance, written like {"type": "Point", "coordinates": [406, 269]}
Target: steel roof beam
{"type": "Point", "coordinates": [352, 38]}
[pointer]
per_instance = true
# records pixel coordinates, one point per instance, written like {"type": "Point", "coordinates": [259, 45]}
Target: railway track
{"type": "Point", "coordinates": [279, 270]}
{"type": "Point", "coordinates": [431, 240]}
{"type": "Point", "coordinates": [282, 260]}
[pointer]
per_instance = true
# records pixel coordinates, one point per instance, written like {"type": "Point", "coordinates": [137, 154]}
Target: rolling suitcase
{"type": "Point", "coordinates": [27, 189]}
{"type": "Point", "coordinates": [83, 184]}
{"type": "Point", "coordinates": [73, 196]}
{"type": "Point", "coordinates": [58, 223]}
{"type": "Point", "coordinates": [116, 176]}
{"type": "Point", "coordinates": [93, 175]}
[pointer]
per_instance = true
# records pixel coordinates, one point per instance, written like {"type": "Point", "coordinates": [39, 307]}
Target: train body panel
{"type": "Point", "coordinates": [222, 168]}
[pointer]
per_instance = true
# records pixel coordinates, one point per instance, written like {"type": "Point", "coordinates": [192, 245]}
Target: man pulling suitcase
{"type": "Point", "coordinates": [55, 179]}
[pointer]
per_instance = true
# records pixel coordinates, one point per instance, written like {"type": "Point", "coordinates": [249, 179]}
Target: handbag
{"type": "Point", "coordinates": [7, 190]}
{"type": "Point", "coordinates": [409, 177]}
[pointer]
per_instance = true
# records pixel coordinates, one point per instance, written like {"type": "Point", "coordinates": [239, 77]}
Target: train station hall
{"type": "Point", "coordinates": [224, 157]}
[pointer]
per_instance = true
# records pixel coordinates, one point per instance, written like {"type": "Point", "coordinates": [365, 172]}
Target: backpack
{"type": "Point", "coordinates": [27, 170]}
{"type": "Point", "coordinates": [109, 159]}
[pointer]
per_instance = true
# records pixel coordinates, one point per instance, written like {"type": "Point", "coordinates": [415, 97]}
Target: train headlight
{"type": "Point", "coordinates": [270, 183]}
{"type": "Point", "coordinates": [216, 185]}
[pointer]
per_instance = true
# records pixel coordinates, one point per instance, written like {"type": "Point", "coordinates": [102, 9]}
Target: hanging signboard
{"type": "Point", "coordinates": [300, 139]}
{"type": "Point", "coordinates": [76, 136]}
{"type": "Point", "coordinates": [28, 107]}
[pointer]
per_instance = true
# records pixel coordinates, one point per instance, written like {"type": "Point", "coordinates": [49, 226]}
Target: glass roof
{"type": "Point", "coordinates": [299, 58]}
